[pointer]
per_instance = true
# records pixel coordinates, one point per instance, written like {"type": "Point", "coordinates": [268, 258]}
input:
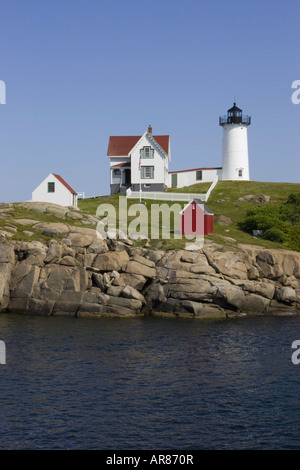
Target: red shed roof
{"type": "Point", "coordinates": [64, 183]}
{"type": "Point", "coordinates": [119, 146]}
{"type": "Point", "coordinates": [203, 206]}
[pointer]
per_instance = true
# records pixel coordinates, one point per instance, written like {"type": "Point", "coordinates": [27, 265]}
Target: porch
{"type": "Point", "coordinates": [120, 179]}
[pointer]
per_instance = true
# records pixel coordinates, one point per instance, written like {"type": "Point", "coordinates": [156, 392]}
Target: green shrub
{"type": "Point", "coordinates": [291, 209]}
{"type": "Point", "coordinates": [279, 223]}
{"type": "Point", "coordinates": [262, 218]}
{"type": "Point", "coordinates": [293, 199]}
{"type": "Point", "coordinates": [293, 238]}
{"type": "Point", "coordinates": [275, 234]}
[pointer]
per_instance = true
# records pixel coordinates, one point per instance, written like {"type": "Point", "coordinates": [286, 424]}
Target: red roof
{"type": "Point", "coordinates": [64, 183]}
{"type": "Point", "coordinates": [121, 164]}
{"type": "Point", "coordinates": [119, 146]}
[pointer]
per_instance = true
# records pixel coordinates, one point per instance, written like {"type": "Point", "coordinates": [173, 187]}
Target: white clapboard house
{"type": "Point", "coordinates": [139, 162]}
{"type": "Point", "coordinates": [56, 190]}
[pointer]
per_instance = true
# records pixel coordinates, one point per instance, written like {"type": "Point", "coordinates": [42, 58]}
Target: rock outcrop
{"type": "Point", "coordinates": [82, 275]}
{"type": "Point", "coordinates": [254, 198]}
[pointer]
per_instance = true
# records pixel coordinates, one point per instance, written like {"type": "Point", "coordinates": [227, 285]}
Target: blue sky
{"type": "Point", "coordinates": [78, 71]}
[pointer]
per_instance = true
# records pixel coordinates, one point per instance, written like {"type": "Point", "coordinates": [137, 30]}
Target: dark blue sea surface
{"type": "Point", "coordinates": [149, 383]}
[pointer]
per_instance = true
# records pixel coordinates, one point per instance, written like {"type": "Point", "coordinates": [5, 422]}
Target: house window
{"type": "Point", "coordinates": [116, 173]}
{"type": "Point", "coordinates": [147, 152]}
{"type": "Point", "coordinates": [147, 172]}
{"type": "Point", "coordinates": [198, 175]}
{"type": "Point", "coordinates": [240, 173]}
{"type": "Point", "coordinates": [51, 187]}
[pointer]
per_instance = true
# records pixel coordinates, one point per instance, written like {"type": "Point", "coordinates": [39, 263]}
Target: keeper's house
{"type": "Point", "coordinates": [139, 162]}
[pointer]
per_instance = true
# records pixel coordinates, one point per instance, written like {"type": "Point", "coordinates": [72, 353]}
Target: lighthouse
{"type": "Point", "coordinates": [235, 164]}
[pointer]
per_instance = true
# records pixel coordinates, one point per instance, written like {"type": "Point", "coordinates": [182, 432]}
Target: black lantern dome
{"type": "Point", "coordinates": [235, 116]}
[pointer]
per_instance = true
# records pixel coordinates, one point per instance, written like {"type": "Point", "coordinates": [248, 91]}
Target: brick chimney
{"type": "Point", "coordinates": [150, 129]}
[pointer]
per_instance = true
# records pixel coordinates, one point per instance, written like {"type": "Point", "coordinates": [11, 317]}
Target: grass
{"type": "Point", "coordinates": [223, 201]}
{"type": "Point", "coordinates": [91, 205]}
{"type": "Point", "coordinates": [17, 211]}
{"type": "Point", "coordinates": [224, 198]}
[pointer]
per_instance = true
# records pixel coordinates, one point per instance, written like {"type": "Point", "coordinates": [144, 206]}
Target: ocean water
{"type": "Point", "coordinates": [149, 383]}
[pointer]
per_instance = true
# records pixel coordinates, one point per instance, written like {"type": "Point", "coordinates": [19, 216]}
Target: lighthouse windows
{"type": "Point", "coordinates": [240, 173]}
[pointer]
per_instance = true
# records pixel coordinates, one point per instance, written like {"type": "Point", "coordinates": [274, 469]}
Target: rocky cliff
{"type": "Point", "coordinates": [82, 275]}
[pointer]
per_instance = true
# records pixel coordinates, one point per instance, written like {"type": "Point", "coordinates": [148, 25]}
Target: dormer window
{"type": "Point", "coordinates": [147, 152]}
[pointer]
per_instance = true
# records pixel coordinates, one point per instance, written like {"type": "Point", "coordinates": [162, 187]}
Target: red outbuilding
{"type": "Point", "coordinates": [196, 219]}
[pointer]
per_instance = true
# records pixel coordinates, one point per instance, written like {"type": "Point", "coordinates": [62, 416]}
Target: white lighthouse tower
{"type": "Point", "coordinates": [235, 145]}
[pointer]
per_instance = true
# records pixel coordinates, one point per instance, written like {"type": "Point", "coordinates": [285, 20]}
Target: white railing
{"type": "Point", "coordinates": [81, 195]}
{"type": "Point", "coordinates": [216, 179]}
{"type": "Point", "coordinates": [157, 196]}
{"type": "Point", "coordinates": [165, 196]}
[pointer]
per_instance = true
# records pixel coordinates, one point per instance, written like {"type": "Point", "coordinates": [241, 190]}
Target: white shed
{"type": "Point", "coordinates": [179, 179]}
{"type": "Point", "coordinates": [54, 189]}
